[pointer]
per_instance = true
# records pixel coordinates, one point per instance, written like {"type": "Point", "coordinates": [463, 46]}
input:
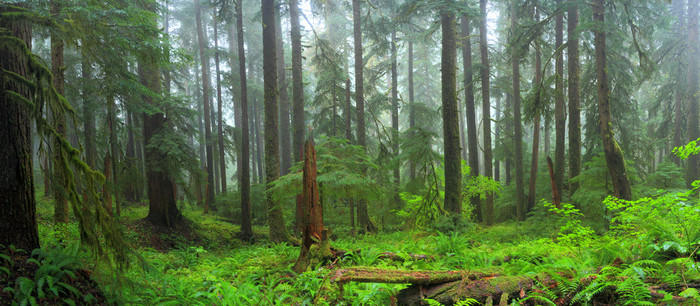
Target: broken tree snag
{"type": "Point", "coordinates": [555, 193]}
{"type": "Point", "coordinates": [313, 231]}
{"type": "Point", "coordinates": [377, 275]}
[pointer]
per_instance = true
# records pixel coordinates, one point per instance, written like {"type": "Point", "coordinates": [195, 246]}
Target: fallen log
{"type": "Point", "coordinates": [378, 275]}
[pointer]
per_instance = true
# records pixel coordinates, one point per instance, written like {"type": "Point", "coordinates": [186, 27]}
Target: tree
{"type": "Point", "coordinates": [286, 152]}
{"type": "Point", "coordinates": [450, 122]}
{"type": "Point", "coordinates": [278, 231]}
{"type": "Point", "coordinates": [219, 112]}
{"type": "Point", "coordinates": [693, 90]}
{"type": "Point", "coordinates": [395, 115]}
{"type": "Point", "coordinates": [485, 94]}
{"type": "Point", "coordinates": [574, 96]}
{"type": "Point", "coordinates": [206, 89]}
{"type": "Point", "coordinates": [559, 106]}
{"type": "Point", "coordinates": [537, 84]}
{"type": "Point", "coordinates": [365, 223]}
{"type": "Point", "coordinates": [162, 209]}
{"type": "Point", "coordinates": [246, 225]}
{"type": "Point", "coordinates": [517, 124]}
{"type": "Point", "coordinates": [18, 223]}
{"type": "Point", "coordinates": [60, 184]}
{"type": "Point", "coordinates": [613, 154]}
{"type": "Point", "coordinates": [297, 94]}
{"type": "Point", "coordinates": [472, 141]}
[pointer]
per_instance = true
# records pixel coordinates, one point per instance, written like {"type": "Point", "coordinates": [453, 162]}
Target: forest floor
{"type": "Point", "coordinates": [203, 263]}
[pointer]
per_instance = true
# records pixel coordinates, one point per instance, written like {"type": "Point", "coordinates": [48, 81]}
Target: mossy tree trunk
{"type": "Point", "coordinates": [244, 164]}
{"type": "Point", "coordinates": [60, 189]}
{"type": "Point", "coordinates": [297, 95]}
{"type": "Point", "coordinates": [536, 122]}
{"type": "Point", "coordinates": [450, 122]}
{"type": "Point", "coordinates": [365, 223]}
{"type": "Point", "coordinates": [574, 96]}
{"type": "Point", "coordinates": [18, 223]}
{"type": "Point", "coordinates": [206, 92]}
{"type": "Point", "coordinates": [486, 117]}
{"type": "Point", "coordinates": [613, 154]}
{"type": "Point", "coordinates": [472, 140]}
{"type": "Point", "coordinates": [162, 209]}
{"type": "Point", "coordinates": [517, 124]}
{"type": "Point", "coordinates": [285, 134]}
{"type": "Point", "coordinates": [559, 105]}
{"type": "Point", "coordinates": [278, 231]}
{"type": "Point", "coordinates": [693, 94]}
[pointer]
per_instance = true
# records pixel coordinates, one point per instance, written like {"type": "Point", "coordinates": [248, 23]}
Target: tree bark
{"type": "Point", "coordinates": [412, 105]}
{"type": "Point", "coordinates": [219, 113]}
{"type": "Point", "coordinates": [693, 94]}
{"type": "Point", "coordinates": [18, 223]}
{"type": "Point", "coordinates": [559, 106]}
{"type": "Point", "coordinates": [517, 124]}
{"type": "Point", "coordinates": [88, 114]}
{"type": "Point", "coordinates": [312, 222]}
{"type": "Point", "coordinates": [244, 164]}
{"type": "Point", "coordinates": [473, 142]}
{"type": "Point", "coordinates": [206, 92]}
{"type": "Point", "coordinates": [574, 96]}
{"type": "Point", "coordinates": [531, 197]}
{"type": "Point", "coordinates": [450, 122]}
{"type": "Point", "coordinates": [60, 184]}
{"type": "Point", "coordinates": [613, 154]}
{"type": "Point", "coordinates": [485, 93]}
{"type": "Point", "coordinates": [395, 119]}
{"type": "Point", "coordinates": [278, 231]}
{"type": "Point", "coordinates": [365, 223]}
{"type": "Point", "coordinates": [285, 132]}
{"type": "Point", "coordinates": [113, 151]}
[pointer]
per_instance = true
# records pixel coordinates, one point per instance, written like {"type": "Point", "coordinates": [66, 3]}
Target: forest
{"type": "Point", "coordinates": [349, 152]}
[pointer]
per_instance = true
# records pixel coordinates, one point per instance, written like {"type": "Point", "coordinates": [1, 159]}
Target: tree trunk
{"type": "Point", "coordinates": [130, 186]}
{"type": "Point", "coordinates": [285, 134]}
{"type": "Point", "coordinates": [499, 143]}
{"type": "Point", "coordinates": [244, 163]}
{"type": "Point", "coordinates": [278, 231]}
{"type": "Point", "coordinates": [219, 113]}
{"type": "Point", "coordinates": [206, 92]}
{"type": "Point", "coordinates": [259, 147]}
{"type": "Point", "coordinates": [297, 92]}
{"type": "Point", "coordinates": [312, 222]}
{"type": "Point", "coordinates": [693, 91]}
{"type": "Point", "coordinates": [472, 141]}
{"type": "Point", "coordinates": [679, 98]}
{"type": "Point", "coordinates": [517, 124]}
{"type": "Point", "coordinates": [531, 197]}
{"type": "Point", "coordinates": [18, 223]}
{"type": "Point", "coordinates": [574, 97]}
{"type": "Point", "coordinates": [113, 151]}
{"type": "Point", "coordinates": [507, 145]}
{"type": "Point", "coordinates": [88, 114]}
{"type": "Point", "coordinates": [412, 105]}
{"type": "Point", "coordinates": [60, 184]}
{"type": "Point", "coordinates": [559, 106]}
{"type": "Point", "coordinates": [485, 94]}
{"type": "Point", "coordinates": [162, 210]}
{"type": "Point", "coordinates": [201, 190]}
{"type": "Point", "coordinates": [613, 153]}
{"type": "Point", "coordinates": [107, 187]}
{"type": "Point", "coordinates": [395, 119]}
{"type": "Point", "coordinates": [450, 122]}
{"type": "Point", "coordinates": [365, 223]}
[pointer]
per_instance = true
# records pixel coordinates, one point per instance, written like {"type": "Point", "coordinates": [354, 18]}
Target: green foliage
{"type": "Point", "coordinates": [667, 176]}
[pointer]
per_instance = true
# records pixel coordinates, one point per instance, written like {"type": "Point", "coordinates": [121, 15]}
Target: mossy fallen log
{"type": "Point", "coordinates": [378, 275]}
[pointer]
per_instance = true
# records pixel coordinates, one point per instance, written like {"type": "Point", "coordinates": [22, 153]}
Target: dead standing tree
{"type": "Point", "coordinates": [313, 231]}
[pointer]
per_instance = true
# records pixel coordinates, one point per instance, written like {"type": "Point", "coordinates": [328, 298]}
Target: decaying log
{"type": "Point", "coordinates": [377, 275]}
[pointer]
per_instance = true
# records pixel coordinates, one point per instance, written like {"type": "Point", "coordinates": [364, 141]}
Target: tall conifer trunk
{"type": "Point", "coordinates": [206, 92]}
{"type": "Point", "coordinates": [161, 195]}
{"type": "Point", "coordinates": [536, 122]}
{"type": "Point", "coordinates": [485, 94]}
{"type": "Point", "coordinates": [219, 113]}
{"type": "Point", "coordinates": [613, 154]}
{"type": "Point", "coordinates": [574, 97]}
{"type": "Point", "coordinates": [278, 231]}
{"type": "Point", "coordinates": [559, 106]}
{"type": "Point", "coordinates": [366, 224]}
{"type": "Point", "coordinates": [693, 90]}
{"type": "Point", "coordinates": [18, 223]}
{"type": "Point", "coordinates": [395, 117]}
{"type": "Point", "coordinates": [285, 133]}
{"type": "Point", "coordinates": [411, 103]}
{"type": "Point", "coordinates": [244, 164]}
{"type": "Point", "coordinates": [61, 208]}
{"type": "Point", "coordinates": [517, 124]}
{"type": "Point", "coordinates": [450, 122]}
